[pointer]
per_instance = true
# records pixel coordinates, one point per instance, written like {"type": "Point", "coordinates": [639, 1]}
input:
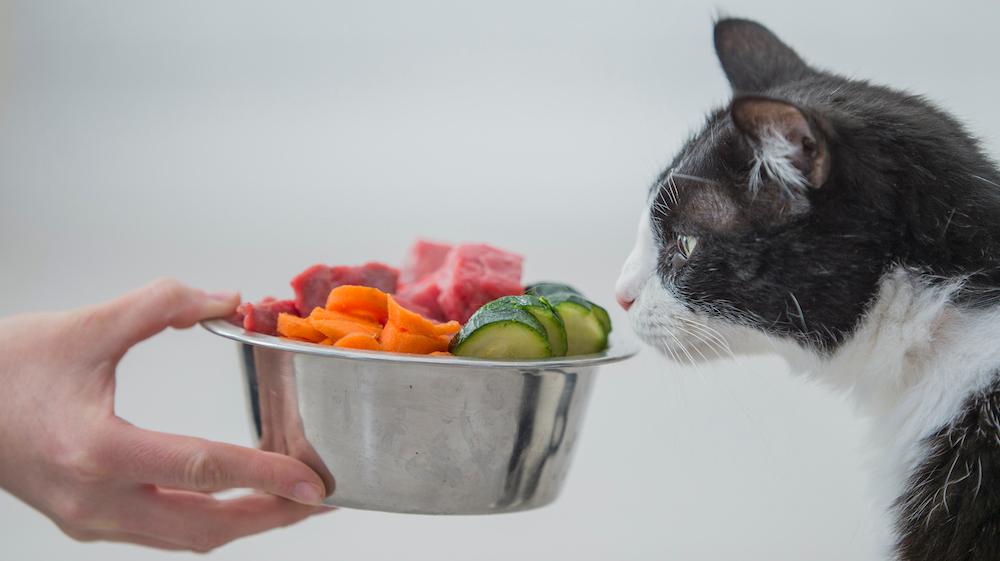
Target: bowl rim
{"type": "Point", "coordinates": [619, 348]}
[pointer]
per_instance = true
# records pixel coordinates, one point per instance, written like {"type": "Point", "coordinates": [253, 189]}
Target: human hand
{"type": "Point", "coordinates": [67, 454]}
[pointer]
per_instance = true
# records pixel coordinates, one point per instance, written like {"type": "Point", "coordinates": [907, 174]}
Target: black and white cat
{"type": "Point", "coordinates": [854, 229]}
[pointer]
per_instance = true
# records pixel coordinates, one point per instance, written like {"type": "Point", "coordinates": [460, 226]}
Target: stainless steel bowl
{"type": "Point", "coordinates": [419, 434]}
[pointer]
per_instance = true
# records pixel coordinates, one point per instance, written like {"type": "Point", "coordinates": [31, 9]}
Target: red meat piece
{"type": "Point", "coordinates": [262, 317]}
{"type": "Point", "coordinates": [422, 297]}
{"type": "Point", "coordinates": [423, 259]}
{"type": "Point", "coordinates": [475, 274]}
{"type": "Point", "coordinates": [313, 285]}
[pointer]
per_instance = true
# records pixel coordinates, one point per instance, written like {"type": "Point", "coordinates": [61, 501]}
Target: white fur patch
{"type": "Point", "coordinates": [663, 321]}
{"type": "Point", "coordinates": [910, 368]}
{"type": "Point", "coordinates": [773, 158]}
{"type": "Point", "coordinates": [640, 264]}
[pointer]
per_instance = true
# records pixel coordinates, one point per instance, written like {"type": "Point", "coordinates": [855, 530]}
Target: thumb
{"type": "Point", "coordinates": [142, 313]}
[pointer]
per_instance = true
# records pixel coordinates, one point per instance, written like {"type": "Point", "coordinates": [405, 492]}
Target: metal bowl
{"type": "Point", "coordinates": [419, 434]}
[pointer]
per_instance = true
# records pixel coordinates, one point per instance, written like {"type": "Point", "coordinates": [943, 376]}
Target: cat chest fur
{"type": "Point", "coordinates": [926, 371]}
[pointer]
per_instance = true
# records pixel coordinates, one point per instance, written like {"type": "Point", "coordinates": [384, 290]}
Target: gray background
{"type": "Point", "coordinates": [231, 144]}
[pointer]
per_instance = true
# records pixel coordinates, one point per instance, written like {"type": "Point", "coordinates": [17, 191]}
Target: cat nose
{"type": "Point", "coordinates": [625, 302]}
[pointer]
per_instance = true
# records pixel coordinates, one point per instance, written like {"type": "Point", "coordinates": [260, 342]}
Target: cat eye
{"type": "Point", "coordinates": [686, 245]}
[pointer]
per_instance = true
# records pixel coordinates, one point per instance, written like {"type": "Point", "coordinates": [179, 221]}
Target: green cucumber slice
{"type": "Point", "coordinates": [554, 292]}
{"type": "Point", "coordinates": [585, 328]}
{"type": "Point", "coordinates": [543, 312]}
{"type": "Point", "coordinates": [602, 315]}
{"type": "Point", "coordinates": [502, 332]}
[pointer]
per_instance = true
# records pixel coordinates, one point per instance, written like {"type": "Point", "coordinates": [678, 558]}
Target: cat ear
{"type": "Point", "coordinates": [753, 58]}
{"type": "Point", "coordinates": [788, 146]}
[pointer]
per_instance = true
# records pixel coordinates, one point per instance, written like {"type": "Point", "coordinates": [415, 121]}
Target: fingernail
{"type": "Point", "coordinates": [307, 493]}
{"type": "Point", "coordinates": [223, 296]}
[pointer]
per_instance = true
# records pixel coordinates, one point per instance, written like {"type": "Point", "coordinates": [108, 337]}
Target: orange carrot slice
{"type": "Point", "coordinates": [362, 301]}
{"type": "Point", "coordinates": [450, 328]}
{"type": "Point", "coordinates": [441, 353]}
{"type": "Point", "coordinates": [338, 328]}
{"type": "Point", "coordinates": [409, 321]}
{"type": "Point", "coordinates": [397, 340]}
{"type": "Point", "coordinates": [294, 327]}
{"type": "Point", "coordinates": [328, 342]}
{"type": "Point", "coordinates": [361, 341]}
{"type": "Point", "coordinates": [324, 314]}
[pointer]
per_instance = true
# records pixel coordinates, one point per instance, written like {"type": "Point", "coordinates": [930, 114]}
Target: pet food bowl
{"type": "Point", "coordinates": [419, 434]}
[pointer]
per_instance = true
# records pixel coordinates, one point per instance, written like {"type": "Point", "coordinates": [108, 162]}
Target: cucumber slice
{"type": "Point", "coordinates": [543, 312]}
{"type": "Point", "coordinates": [553, 291]}
{"type": "Point", "coordinates": [586, 330]}
{"type": "Point", "coordinates": [502, 332]}
{"type": "Point", "coordinates": [602, 315]}
{"type": "Point", "coordinates": [545, 289]}
{"type": "Point", "coordinates": [555, 329]}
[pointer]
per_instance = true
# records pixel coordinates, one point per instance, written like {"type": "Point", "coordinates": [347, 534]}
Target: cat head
{"type": "Point", "coordinates": [780, 219]}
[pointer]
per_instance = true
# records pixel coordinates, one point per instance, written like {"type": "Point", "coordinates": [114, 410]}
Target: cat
{"type": "Point", "coordinates": [855, 230]}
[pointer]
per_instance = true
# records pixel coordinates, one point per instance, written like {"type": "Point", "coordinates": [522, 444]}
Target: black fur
{"type": "Point", "coordinates": [951, 509]}
{"type": "Point", "coordinates": [753, 58]}
{"type": "Point", "coordinates": [907, 186]}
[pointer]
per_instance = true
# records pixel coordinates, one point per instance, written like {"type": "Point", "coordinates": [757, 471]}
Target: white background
{"type": "Point", "coordinates": [231, 144]}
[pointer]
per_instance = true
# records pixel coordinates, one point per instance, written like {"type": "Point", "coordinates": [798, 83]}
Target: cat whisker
{"type": "Point", "coordinates": [696, 179]}
{"type": "Point", "coordinates": [707, 339]}
{"type": "Point", "coordinates": [672, 188]}
{"type": "Point", "coordinates": [682, 348]}
{"type": "Point", "coordinates": [700, 340]}
{"type": "Point", "coordinates": [710, 332]}
{"type": "Point", "coordinates": [673, 355]}
{"type": "Point", "coordinates": [661, 329]}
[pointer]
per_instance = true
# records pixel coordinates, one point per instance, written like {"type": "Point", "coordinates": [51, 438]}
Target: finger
{"type": "Point", "coordinates": [121, 537]}
{"type": "Point", "coordinates": [142, 313]}
{"type": "Point", "coordinates": [196, 464]}
{"type": "Point", "coordinates": [137, 539]}
{"type": "Point", "coordinates": [202, 523]}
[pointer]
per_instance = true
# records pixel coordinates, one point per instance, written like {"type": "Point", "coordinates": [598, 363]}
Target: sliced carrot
{"type": "Point", "coordinates": [397, 340]}
{"type": "Point", "coordinates": [362, 301]}
{"type": "Point", "coordinates": [338, 328]}
{"type": "Point", "coordinates": [320, 313]}
{"type": "Point", "coordinates": [408, 320]}
{"type": "Point", "coordinates": [417, 344]}
{"type": "Point", "coordinates": [294, 327]}
{"type": "Point", "coordinates": [441, 353]}
{"type": "Point", "coordinates": [328, 342]}
{"type": "Point", "coordinates": [362, 341]}
{"type": "Point", "coordinates": [324, 314]}
{"type": "Point", "coordinates": [450, 328]}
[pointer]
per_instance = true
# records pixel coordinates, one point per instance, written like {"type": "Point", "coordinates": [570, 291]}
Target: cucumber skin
{"type": "Point", "coordinates": [555, 297]}
{"type": "Point", "coordinates": [487, 316]}
{"type": "Point", "coordinates": [533, 305]}
{"type": "Point", "coordinates": [558, 298]}
{"type": "Point", "coordinates": [521, 301]}
{"type": "Point", "coordinates": [545, 289]}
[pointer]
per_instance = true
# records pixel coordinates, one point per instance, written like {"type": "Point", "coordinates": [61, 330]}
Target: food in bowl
{"type": "Point", "coordinates": [466, 300]}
